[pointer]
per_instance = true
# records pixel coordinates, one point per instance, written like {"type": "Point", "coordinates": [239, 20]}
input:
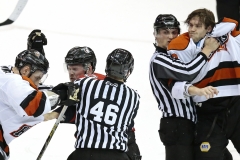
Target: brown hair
{"type": "Point", "coordinates": [206, 17]}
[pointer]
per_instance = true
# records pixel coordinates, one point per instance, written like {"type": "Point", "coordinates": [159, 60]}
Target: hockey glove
{"type": "Point", "coordinates": [67, 93]}
{"type": "Point", "coordinates": [36, 40]}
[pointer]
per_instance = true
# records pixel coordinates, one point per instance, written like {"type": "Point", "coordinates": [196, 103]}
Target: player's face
{"type": "Point", "coordinates": [164, 37]}
{"type": "Point", "coordinates": [36, 77]}
{"type": "Point", "coordinates": [75, 72]}
{"type": "Point", "coordinates": [197, 30]}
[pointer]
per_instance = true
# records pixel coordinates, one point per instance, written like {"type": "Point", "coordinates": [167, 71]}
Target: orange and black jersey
{"type": "Point", "coordinates": [21, 105]}
{"type": "Point", "coordinates": [25, 99]}
{"type": "Point", "coordinates": [34, 103]}
{"type": "Point", "coordinates": [222, 70]}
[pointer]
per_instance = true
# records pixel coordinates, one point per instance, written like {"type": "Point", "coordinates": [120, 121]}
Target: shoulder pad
{"type": "Point", "coordinates": [179, 43]}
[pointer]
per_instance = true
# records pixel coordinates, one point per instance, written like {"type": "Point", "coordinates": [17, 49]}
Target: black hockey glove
{"type": "Point", "coordinates": [68, 93]}
{"type": "Point", "coordinates": [36, 40]}
{"type": "Point", "coordinates": [7, 69]}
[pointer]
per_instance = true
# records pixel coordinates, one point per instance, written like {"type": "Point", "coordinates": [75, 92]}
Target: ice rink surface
{"type": "Point", "coordinates": [104, 26]}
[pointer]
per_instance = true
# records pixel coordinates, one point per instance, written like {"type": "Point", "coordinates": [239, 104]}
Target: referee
{"type": "Point", "coordinates": [105, 111]}
{"type": "Point", "coordinates": [179, 116]}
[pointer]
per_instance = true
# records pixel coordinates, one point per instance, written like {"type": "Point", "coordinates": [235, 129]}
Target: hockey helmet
{"type": "Point", "coordinates": [166, 21]}
{"type": "Point", "coordinates": [33, 58]}
{"type": "Point", "coordinates": [81, 55]}
{"type": "Point", "coordinates": [120, 64]}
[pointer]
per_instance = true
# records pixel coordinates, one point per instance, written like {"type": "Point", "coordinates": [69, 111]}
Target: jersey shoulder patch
{"type": "Point", "coordinates": [179, 43]}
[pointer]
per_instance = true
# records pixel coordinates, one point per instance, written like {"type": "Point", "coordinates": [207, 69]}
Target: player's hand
{"type": "Point", "coordinates": [50, 116]}
{"type": "Point", "coordinates": [208, 92]}
{"type": "Point", "coordinates": [210, 45]}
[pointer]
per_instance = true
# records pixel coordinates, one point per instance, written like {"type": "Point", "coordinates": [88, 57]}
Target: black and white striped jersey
{"type": "Point", "coordinates": [104, 112]}
{"type": "Point", "coordinates": [165, 70]}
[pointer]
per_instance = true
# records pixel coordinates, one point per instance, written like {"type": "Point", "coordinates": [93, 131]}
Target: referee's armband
{"type": "Point", "coordinates": [180, 90]}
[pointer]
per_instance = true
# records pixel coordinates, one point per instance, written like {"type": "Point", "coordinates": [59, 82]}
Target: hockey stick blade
{"type": "Point", "coordinates": [52, 133]}
{"type": "Point", "coordinates": [16, 12]}
{"type": "Point", "coordinates": [7, 22]}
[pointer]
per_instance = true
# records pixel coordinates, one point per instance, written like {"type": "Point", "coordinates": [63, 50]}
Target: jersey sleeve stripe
{"type": "Point", "coordinates": [34, 103]}
{"type": "Point", "coordinates": [224, 73]}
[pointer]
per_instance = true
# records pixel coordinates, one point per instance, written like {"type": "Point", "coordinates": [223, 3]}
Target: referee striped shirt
{"type": "Point", "coordinates": [165, 70]}
{"type": "Point", "coordinates": [104, 112]}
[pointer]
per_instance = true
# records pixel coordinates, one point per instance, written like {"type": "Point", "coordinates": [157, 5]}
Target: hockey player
{"type": "Point", "coordinates": [22, 105]}
{"type": "Point", "coordinates": [81, 62]}
{"type": "Point", "coordinates": [217, 117]}
{"type": "Point", "coordinates": [179, 116]}
{"type": "Point", "coordinates": [105, 111]}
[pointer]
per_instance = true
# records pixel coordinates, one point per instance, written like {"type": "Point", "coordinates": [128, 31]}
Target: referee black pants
{"type": "Point", "coordinates": [97, 154]}
{"type": "Point", "coordinates": [216, 128]}
{"type": "Point", "coordinates": [177, 135]}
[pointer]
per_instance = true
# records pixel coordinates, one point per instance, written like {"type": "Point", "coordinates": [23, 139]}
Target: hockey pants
{"type": "Point", "coordinates": [215, 129]}
{"type": "Point", "coordinates": [177, 135]}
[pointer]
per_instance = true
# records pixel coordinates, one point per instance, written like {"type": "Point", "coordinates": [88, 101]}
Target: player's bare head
{"type": "Point", "coordinates": [206, 17]}
{"type": "Point", "coordinates": [120, 64]}
{"type": "Point", "coordinates": [32, 64]}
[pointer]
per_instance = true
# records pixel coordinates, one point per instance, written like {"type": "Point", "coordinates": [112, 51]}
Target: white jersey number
{"type": "Point", "coordinates": [110, 115]}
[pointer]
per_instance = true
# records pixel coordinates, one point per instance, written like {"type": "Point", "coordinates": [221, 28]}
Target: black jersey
{"type": "Point", "coordinates": [104, 113]}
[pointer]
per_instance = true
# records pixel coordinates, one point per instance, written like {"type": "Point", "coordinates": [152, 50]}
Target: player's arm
{"type": "Point", "coordinates": [21, 94]}
{"type": "Point", "coordinates": [167, 67]}
{"type": "Point", "coordinates": [181, 90]}
{"type": "Point", "coordinates": [69, 115]}
{"type": "Point", "coordinates": [24, 99]}
{"type": "Point", "coordinates": [63, 90]}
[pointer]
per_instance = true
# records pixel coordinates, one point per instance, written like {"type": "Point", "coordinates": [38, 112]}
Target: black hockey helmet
{"type": "Point", "coordinates": [120, 64]}
{"type": "Point", "coordinates": [166, 21]}
{"type": "Point", "coordinates": [81, 55]}
{"type": "Point", "coordinates": [36, 40]}
{"type": "Point", "coordinates": [33, 58]}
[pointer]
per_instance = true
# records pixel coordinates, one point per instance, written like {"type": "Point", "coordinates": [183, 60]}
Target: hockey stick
{"type": "Point", "coordinates": [52, 132]}
{"type": "Point", "coordinates": [16, 12]}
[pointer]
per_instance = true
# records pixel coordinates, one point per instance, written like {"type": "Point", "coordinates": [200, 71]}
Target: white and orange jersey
{"type": "Point", "coordinates": [223, 67]}
{"type": "Point", "coordinates": [22, 106]}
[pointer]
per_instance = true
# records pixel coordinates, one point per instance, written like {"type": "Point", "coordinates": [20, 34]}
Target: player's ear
{"type": "Point", "coordinates": [25, 71]}
{"type": "Point", "coordinates": [209, 29]}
